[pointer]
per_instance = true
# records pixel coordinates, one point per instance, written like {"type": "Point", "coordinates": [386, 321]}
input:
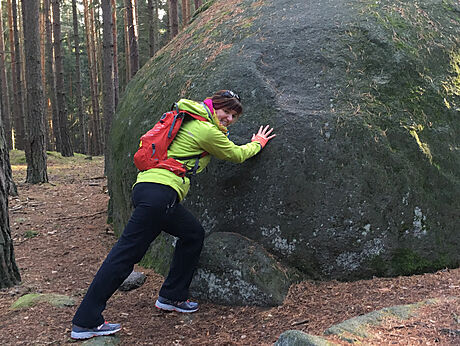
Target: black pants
{"type": "Point", "coordinates": [156, 210]}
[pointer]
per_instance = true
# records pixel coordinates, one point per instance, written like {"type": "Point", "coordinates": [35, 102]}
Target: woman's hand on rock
{"type": "Point", "coordinates": [263, 135]}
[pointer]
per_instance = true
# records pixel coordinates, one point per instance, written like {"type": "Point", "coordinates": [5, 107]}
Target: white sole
{"type": "Point", "coordinates": [89, 335]}
{"type": "Point", "coordinates": [168, 307]}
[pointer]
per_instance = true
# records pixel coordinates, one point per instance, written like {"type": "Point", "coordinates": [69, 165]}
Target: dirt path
{"type": "Point", "coordinates": [61, 237]}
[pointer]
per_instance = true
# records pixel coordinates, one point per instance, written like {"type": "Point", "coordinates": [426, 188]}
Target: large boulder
{"type": "Point", "coordinates": [363, 178]}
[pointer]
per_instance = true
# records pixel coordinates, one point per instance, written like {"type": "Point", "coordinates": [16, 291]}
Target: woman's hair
{"type": "Point", "coordinates": [228, 100]}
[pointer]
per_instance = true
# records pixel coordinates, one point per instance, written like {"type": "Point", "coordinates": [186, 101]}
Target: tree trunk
{"type": "Point", "coordinates": [43, 68]}
{"type": "Point", "coordinates": [66, 146]}
{"type": "Point", "coordinates": [132, 38]}
{"type": "Point", "coordinates": [51, 103]}
{"type": "Point", "coordinates": [173, 18]}
{"type": "Point", "coordinates": [150, 18]}
{"type": "Point", "coordinates": [36, 149]}
{"type": "Point", "coordinates": [198, 4]}
{"type": "Point", "coordinates": [9, 272]}
{"type": "Point", "coordinates": [127, 64]}
{"type": "Point", "coordinates": [18, 113]}
{"type": "Point", "coordinates": [185, 12]}
{"type": "Point", "coordinates": [97, 57]}
{"type": "Point", "coordinates": [93, 139]}
{"type": "Point", "coordinates": [153, 26]}
{"type": "Point", "coordinates": [116, 85]}
{"type": "Point", "coordinates": [80, 115]}
{"type": "Point", "coordinates": [4, 101]}
{"type": "Point", "coordinates": [108, 87]}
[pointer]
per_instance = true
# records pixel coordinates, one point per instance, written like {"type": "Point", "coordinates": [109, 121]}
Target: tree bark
{"type": "Point", "coordinates": [93, 139]}
{"type": "Point", "coordinates": [43, 67]}
{"type": "Point", "coordinates": [66, 145]}
{"type": "Point", "coordinates": [173, 18]}
{"type": "Point", "coordinates": [18, 112]}
{"type": "Point", "coordinates": [97, 57]}
{"type": "Point", "coordinates": [185, 12]}
{"type": "Point", "coordinates": [127, 64]}
{"type": "Point", "coordinates": [153, 26]}
{"type": "Point", "coordinates": [151, 16]}
{"type": "Point", "coordinates": [132, 38]}
{"type": "Point", "coordinates": [116, 85]}
{"type": "Point", "coordinates": [198, 4]}
{"type": "Point", "coordinates": [5, 102]}
{"type": "Point", "coordinates": [9, 272]}
{"type": "Point", "coordinates": [50, 80]}
{"type": "Point", "coordinates": [36, 147]}
{"type": "Point", "coordinates": [108, 74]}
{"type": "Point", "coordinates": [80, 115]}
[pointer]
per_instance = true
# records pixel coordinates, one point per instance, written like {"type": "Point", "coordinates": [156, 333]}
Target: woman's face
{"type": "Point", "coordinates": [226, 117]}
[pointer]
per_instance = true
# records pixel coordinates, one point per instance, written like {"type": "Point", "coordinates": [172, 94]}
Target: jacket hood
{"type": "Point", "coordinates": [200, 108]}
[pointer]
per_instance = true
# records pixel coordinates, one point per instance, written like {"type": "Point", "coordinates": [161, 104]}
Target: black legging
{"type": "Point", "coordinates": [156, 210]}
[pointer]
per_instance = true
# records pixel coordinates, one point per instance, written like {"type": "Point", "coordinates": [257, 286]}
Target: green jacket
{"type": "Point", "coordinates": [193, 138]}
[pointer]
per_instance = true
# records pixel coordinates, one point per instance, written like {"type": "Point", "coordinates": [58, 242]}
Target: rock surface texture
{"type": "Point", "coordinates": [363, 178]}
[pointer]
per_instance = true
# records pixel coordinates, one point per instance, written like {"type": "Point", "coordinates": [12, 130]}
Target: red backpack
{"type": "Point", "coordinates": [153, 147]}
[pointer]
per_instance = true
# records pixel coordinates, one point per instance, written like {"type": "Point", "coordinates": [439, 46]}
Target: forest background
{"type": "Point", "coordinates": [57, 60]}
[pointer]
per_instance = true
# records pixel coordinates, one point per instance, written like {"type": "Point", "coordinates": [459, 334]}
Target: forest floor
{"type": "Point", "coordinates": [61, 237]}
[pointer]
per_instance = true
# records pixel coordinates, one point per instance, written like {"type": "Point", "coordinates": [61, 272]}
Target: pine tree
{"type": "Point", "coordinates": [116, 85]}
{"type": "Point", "coordinates": [79, 98]}
{"type": "Point", "coordinates": [153, 26]}
{"type": "Point", "coordinates": [50, 80]}
{"type": "Point", "coordinates": [173, 18]}
{"type": "Point", "coordinates": [132, 38]}
{"type": "Point", "coordinates": [35, 138]}
{"type": "Point", "coordinates": [18, 97]}
{"type": "Point", "coordinates": [108, 87]}
{"type": "Point", "coordinates": [5, 102]}
{"type": "Point", "coordinates": [66, 145]}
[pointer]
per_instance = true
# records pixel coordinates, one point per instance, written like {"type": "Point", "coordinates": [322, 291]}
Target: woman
{"type": "Point", "coordinates": [156, 196]}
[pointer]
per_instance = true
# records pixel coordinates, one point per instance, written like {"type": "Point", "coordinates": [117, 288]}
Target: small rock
{"type": "Point", "coordinates": [102, 341]}
{"type": "Point", "coordinates": [133, 281]}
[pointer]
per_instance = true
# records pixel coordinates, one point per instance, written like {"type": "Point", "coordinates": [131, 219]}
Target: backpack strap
{"type": "Point", "coordinates": [178, 115]}
{"type": "Point", "coordinates": [197, 158]}
{"type": "Point", "coordinates": [207, 110]}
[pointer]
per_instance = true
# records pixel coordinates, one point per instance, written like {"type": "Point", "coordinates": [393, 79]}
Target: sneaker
{"type": "Point", "coordinates": [86, 333]}
{"type": "Point", "coordinates": [170, 305]}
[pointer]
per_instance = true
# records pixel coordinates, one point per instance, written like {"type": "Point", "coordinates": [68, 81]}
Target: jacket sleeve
{"type": "Point", "coordinates": [218, 145]}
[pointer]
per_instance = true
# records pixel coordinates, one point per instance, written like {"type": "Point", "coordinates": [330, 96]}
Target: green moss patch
{"type": "Point", "coordinates": [32, 299]}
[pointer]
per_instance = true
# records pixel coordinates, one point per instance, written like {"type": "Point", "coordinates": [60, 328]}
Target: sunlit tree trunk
{"type": "Point", "coordinates": [132, 38]}
{"type": "Point", "coordinates": [35, 139]}
{"type": "Point", "coordinates": [66, 146]}
{"type": "Point", "coordinates": [51, 102]}
{"type": "Point", "coordinates": [80, 115]}
{"type": "Point", "coordinates": [5, 102]}
{"type": "Point", "coordinates": [9, 272]}
{"type": "Point", "coordinates": [18, 113]}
